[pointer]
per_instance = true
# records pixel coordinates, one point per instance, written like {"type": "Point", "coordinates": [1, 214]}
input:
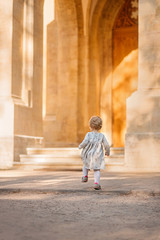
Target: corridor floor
{"type": "Point", "coordinates": [57, 206]}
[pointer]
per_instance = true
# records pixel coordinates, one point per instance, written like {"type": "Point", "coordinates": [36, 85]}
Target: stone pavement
{"type": "Point", "coordinates": [56, 205]}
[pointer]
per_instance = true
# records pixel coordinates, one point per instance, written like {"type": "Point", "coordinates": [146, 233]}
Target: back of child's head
{"type": "Point", "coordinates": [95, 123]}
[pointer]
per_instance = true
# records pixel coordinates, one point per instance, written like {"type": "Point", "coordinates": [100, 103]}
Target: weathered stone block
{"type": "Point", "coordinates": [142, 151]}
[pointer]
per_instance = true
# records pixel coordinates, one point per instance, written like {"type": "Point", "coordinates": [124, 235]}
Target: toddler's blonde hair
{"type": "Point", "coordinates": [95, 122]}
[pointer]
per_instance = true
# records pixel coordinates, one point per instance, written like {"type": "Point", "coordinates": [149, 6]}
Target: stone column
{"type": "Point", "coordinates": [142, 146]}
{"type": "Point", "coordinates": [6, 104]}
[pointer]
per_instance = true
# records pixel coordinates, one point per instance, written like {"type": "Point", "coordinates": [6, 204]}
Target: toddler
{"type": "Point", "coordinates": [93, 153]}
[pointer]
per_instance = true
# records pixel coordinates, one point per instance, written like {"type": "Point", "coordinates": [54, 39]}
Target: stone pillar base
{"type": "Point", "coordinates": [6, 152]}
{"type": "Point", "coordinates": [6, 133]}
{"type": "Point", "coordinates": [21, 142]}
{"type": "Point", "coordinates": [142, 141]}
{"type": "Point", "coordinates": [142, 152]}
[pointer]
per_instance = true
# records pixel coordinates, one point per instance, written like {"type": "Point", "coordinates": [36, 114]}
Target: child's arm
{"type": "Point", "coordinates": [106, 146]}
{"type": "Point", "coordinates": [85, 141]}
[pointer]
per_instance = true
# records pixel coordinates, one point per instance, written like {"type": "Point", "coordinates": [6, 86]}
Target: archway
{"type": "Point", "coordinates": [125, 66]}
{"type": "Point", "coordinates": [104, 66]}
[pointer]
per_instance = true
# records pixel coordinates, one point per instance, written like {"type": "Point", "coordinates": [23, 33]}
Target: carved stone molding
{"type": "Point", "coordinates": [128, 15]}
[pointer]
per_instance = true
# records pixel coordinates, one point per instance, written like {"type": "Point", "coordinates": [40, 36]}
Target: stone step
{"type": "Point", "coordinates": [54, 151]}
{"type": "Point", "coordinates": [62, 158]}
{"type": "Point", "coordinates": [114, 159]}
{"type": "Point", "coordinates": [74, 159]}
{"type": "Point", "coordinates": [62, 154]}
{"type": "Point", "coordinates": [117, 151]}
{"type": "Point", "coordinates": [61, 145]}
{"type": "Point", "coordinates": [50, 158]}
{"type": "Point", "coordinates": [68, 150]}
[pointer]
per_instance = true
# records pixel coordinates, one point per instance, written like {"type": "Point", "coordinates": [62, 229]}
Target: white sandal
{"type": "Point", "coordinates": [97, 186]}
{"type": "Point", "coordinates": [84, 179]}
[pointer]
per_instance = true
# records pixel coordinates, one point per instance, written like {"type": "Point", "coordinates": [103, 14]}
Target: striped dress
{"type": "Point", "coordinates": [93, 147]}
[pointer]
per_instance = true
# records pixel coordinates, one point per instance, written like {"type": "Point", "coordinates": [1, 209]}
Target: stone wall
{"type": "Point", "coordinates": [64, 64]}
{"type": "Point", "coordinates": [49, 123]}
{"type": "Point", "coordinates": [21, 71]}
{"type": "Point", "coordinates": [27, 110]}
